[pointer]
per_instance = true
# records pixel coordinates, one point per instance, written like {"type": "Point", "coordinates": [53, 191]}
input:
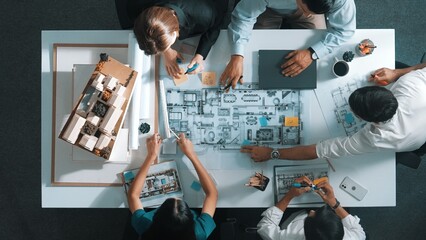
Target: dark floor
{"type": "Point", "coordinates": [22, 217]}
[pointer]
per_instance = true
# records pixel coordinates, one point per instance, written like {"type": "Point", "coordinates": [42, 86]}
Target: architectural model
{"type": "Point", "coordinates": [98, 115]}
{"type": "Point", "coordinates": [350, 123]}
{"type": "Point", "coordinates": [223, 120]}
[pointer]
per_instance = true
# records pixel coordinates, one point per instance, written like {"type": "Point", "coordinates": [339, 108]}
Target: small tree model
{"type": "Point", "coordinates": [348, 56]}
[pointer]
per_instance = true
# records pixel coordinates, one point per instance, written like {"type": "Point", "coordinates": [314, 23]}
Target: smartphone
{"type": "Point", "coordinates": [353, 188]}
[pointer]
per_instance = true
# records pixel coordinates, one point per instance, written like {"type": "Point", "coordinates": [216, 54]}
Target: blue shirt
{"type": "Point", "coordinates": [203, 226]}
{"type": "Point", "coordinates": [341, 23]}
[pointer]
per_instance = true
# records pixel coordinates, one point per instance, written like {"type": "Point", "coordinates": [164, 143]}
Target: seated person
{"type": "Point", "coordinates": [341, 24]}
{"type": "Point", "coordinates": [157, 25]}
{"type": "Point", "coordinates": [173, 219]}
{"type": "Point", "coordinates": [330, 222]}
{"type": "Point", "coordinates": [395, 119]}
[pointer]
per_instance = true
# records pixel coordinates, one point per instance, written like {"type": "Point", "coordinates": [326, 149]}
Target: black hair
{"type": "Point", "coordinates": [173, 220]}
{"type": "Point", "coordinates": [319, 6]}
{"type": "Point", "coordinates": [325, 225]}
{"type": "Point", "coordinates": [373, 103]}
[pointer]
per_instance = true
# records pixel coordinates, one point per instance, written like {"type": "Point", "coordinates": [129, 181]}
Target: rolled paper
{"type": "Point", "coordinates": [135, 62]}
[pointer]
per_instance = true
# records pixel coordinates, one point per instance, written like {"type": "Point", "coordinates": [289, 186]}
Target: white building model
{"type": "Point", "coordinates": [95, 121]}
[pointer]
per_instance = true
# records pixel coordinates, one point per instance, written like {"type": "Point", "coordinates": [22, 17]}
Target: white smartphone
{"type": "Point", "coordinates": [353, 188]}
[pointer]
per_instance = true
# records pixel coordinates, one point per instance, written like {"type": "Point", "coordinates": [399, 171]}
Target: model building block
{"type": "Point", "coordinates": [116, 100]}
{"type": "Point", "coordinates": [98, 114]}
{"type": "Point", "coordinates": [110, 82]}
{"type": "Point", "coordinates": [97, 82]}
{"type": "Point", "coordinates": [88, 142]}
{"type": "Point", "coordinates": [72, 131]}
{"type": "Point", "coordinates": [119, 90]}
{"type": "Point", "coordinates": [103, 141]}
{"type": "Point", "coordinates": [110, 119]}
{"type": "Point", "coordinates": [93, 119]}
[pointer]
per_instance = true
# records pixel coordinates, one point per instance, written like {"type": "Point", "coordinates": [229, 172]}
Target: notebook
{"type": "Point", "coordinates": [270, 76]}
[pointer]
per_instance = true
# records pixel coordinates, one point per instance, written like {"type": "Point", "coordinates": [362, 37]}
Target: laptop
{"type": "Point", "coordinates": [270, 76]}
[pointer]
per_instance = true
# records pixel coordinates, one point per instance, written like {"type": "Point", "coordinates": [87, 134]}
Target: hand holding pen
{"type": "Point", "coordinates": [196, 65]}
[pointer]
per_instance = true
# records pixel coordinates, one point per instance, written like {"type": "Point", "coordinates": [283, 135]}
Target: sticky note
{"type": "Point", "coordinates": [291, 121]}
{"type": "Point", "coordinates": [208, 78]}
{"type": "Point", "coordinates": [181, 78]}
{"type": "Point", "coordinates": [196, 186]}
{"type": "Point", "coordinates": [263, 121]}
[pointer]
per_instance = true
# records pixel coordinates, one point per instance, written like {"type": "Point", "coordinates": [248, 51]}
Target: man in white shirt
{"type": "Point", "coordinates": [329, 222]}
{"type": "Point", "coordinates": [395, 120]}
{"type": "Point", "coordinates": [341, 25]}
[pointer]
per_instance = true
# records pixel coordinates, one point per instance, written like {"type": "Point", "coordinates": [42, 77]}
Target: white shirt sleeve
{"type": "Point", "coordinates": [340, 28]}
{"type": "Point", "coordinates": [269, 228]}
{"type": "Point", "coordinates": [359, 143]}
{"type": "Point", "coordinates": [353, 230]}
{"type": "Point", "coordinates": [243, 18]}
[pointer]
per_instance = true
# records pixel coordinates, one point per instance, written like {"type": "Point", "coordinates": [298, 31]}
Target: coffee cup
{"type": "Point", "coordinates": [340, 68]}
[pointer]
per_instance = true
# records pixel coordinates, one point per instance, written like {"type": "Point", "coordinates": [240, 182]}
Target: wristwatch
{"type": "Point", "coordinates": [314, 55]}
{"type": "Point", "coordinates": [336, 205]}
{"type": "Point", "coordinates": [275, 154]}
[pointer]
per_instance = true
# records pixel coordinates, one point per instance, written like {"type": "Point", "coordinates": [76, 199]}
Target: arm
{"type": "Point", "coordinates": [260, 154]}
{"type": "Point", "coordinates": [243, 19]}
{"type": "Point", "coordinates": [341, 27]}
{"type": "Point", "coordinates": [170, 57]}
{"type": "Point", "coordinates": [384, 76]}
{"type": "Point", "coordinates": [209, 205]}
{"type": "Point", "coordinates": [350, 222]}
{"type": "Point", "coordinates": [153, 145]}
{"type": "Point", "coordinates": [269, 225]}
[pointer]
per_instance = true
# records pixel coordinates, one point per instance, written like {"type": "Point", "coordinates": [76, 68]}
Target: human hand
{"type": "Point", "coordinates": [258, 154]}
{"type": "Point", "coordinates": [186, 146]}
{"type": "Point", "coordinates": [197, 59]}
{"type": "Point", "coordinates": [233, 72]}
{"type": "Point", "coordinates": [296, 62]}
{"type": "Point", "coordinates": [326, 192]}
{"type": "Point", "coordinates": [153, 145]}
{"type": "Point", "coordinates": [170, 57]}
{"type": "Point", "coordinates": [295, 192]}
{"type": "Point", "coordinates": [384, 76]}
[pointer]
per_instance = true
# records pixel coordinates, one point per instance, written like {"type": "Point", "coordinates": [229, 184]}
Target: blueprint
{"type": "Point", "coordinates": [344, 116]}
{"type": "Point", "coordinates": [212, 117]}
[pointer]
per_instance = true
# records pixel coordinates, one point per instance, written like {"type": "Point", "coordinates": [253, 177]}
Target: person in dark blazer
{"type": "Point", "coordinates": [157, 24]}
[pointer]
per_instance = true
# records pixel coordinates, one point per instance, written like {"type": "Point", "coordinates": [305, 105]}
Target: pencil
{"type": "Point", "coordinates": [174, 134]}
{"type": "Point", "coordinates": [230, 84]}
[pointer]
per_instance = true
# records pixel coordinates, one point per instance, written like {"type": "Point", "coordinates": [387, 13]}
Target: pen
{"type": "Point", "coordinates": [174, 134]}
{"type": "Point", "coordinates": [300, 185]}
{"type": "Point", "coordinates": [191, 68]}
{"type": "Point", "coordinates": [230, 84]}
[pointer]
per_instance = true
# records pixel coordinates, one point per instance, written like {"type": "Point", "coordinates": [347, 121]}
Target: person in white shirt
{"type": "Point", "coordinates": [395, 120]}
{"type": "Point", "coordinates": [330, 222]}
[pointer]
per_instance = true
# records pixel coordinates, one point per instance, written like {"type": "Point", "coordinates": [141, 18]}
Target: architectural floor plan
{"type": "Point", "coordinates": [344, 115]}
{"type": "Point", "coordinates": [228, 120]}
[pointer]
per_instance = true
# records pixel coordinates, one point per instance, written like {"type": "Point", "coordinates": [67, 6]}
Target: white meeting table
{"type": "Point", "coordinates": [376, 171]}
